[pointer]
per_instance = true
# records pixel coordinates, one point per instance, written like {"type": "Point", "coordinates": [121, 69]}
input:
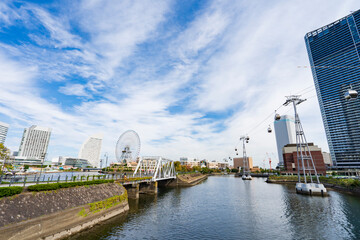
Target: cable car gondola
{"type": "Point", "coordinates": [351, 94]}
{"type": "Point", "coordinates": [269, 129]}
{"type": "Point", "coordinates": [277, 117]}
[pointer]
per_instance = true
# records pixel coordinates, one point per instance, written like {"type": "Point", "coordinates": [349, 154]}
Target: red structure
{"type": "Point", "coordinates": [290, 159]}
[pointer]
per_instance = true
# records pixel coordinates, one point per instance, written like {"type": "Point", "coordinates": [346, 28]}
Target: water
{"type": "Point", "coordinates": [225, 207]}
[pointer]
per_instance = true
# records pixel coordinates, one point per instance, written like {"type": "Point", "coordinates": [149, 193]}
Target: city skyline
{"type": "Point", "coordinates": [188, 77]}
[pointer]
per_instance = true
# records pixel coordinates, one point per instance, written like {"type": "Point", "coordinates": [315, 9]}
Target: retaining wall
{"type": "Point", "coordinates": [60, 213]}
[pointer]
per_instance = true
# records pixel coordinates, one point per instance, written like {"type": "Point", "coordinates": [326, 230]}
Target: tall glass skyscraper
{"type": "Point", "coordinates": [334, 53]}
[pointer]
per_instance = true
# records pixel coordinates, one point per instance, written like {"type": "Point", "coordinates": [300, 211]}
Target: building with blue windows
{"type": "Point", "coordinates": [335, 60]}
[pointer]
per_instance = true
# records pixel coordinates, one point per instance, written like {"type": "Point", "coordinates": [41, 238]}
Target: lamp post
{"type": "Point", "coordinates": [42, 164]}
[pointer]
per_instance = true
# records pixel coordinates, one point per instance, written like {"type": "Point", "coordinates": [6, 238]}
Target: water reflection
{"type": "Point", "coordinates": [230, 208]}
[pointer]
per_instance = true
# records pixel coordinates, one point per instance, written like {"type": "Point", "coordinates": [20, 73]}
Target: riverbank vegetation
{"type": "Point", "coordinates": [134, 179]}
{"type": "Point", "coordinates": [348, 183]}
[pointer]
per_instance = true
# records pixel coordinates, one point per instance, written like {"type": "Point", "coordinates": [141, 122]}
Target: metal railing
{"type": "Point", "coordinates": [27, 180]}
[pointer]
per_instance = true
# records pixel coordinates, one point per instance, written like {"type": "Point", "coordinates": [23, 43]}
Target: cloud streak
{"type": "Point", "coordinates": [188, 87]}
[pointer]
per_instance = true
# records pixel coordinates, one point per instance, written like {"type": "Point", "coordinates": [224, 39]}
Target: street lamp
{"type": "Point", "coordinates": [43, 155]}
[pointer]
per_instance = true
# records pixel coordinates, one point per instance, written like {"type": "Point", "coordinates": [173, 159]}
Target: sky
{"type": "Point", "coordinates": [190, 77]}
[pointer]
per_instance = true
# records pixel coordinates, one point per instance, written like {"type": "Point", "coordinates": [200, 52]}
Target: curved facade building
{"type": "Point", "coordinates": [284, 133]}
{"type": "Point", "coordinates": [91, 149]}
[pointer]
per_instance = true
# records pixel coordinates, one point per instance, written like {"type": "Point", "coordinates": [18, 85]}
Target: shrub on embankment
{"type": "Point", "coordinates": [10, 191]}
{"type": "Point", "coordinates": [134, 179]}
{"type": "Point", "coordinates": [343, 182]}
{"type": "Point", "coordinates": [55, 186]}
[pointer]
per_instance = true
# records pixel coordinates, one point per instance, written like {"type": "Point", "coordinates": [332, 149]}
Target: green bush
{"type": "Point", "coordinates": [10, 191]}
{"type": "Point", "coordinates": [54, 186]}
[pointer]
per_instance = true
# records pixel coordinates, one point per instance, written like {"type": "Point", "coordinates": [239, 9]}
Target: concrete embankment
{"type": "Point", "coordinates": [60, 213]}
{"type": "Point", "coordinates": [188, 180]}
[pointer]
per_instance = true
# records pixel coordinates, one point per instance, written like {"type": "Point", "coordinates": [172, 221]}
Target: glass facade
{"type": "Point", "coordinates": [335, 59]}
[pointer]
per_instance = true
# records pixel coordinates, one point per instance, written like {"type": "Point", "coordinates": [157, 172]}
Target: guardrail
{"type": "Point", "coordinates": [17, 180]}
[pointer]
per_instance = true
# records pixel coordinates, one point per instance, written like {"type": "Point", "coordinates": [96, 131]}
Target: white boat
{"type": "Point", "coordinates": [311, 188]}
{"type": "Point", "coordinates": [246, 177]}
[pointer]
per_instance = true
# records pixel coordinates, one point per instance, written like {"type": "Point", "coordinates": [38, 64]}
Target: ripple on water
{"type": "Point", "coordinates": [230, 208]}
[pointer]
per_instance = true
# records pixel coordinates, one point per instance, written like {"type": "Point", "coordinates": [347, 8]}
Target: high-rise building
{"type": "Point", "coordinates": [91, 149]}
{"type": "Point", "coordinates": [290, 159]}
{"type": "Point", "coordinates": [4, 127]}
{"type": "Point", "coordinates": [35, 141]}
{"type": "Point", "coordinates": [284, 133]}
{"type": "Point", "coordinates": [238, 162]}
{"type": "Point", "coordinates": [335, 62]}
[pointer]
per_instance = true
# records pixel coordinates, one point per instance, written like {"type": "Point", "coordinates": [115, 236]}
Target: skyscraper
{"type": "Point", "coordinates": [335, 62]}
{"type": "Point", "coordinates": [3, 131]}
{"type": "Point", "coordinates": [90, 150]}
{"type": "Point", "coordinates": [34, 142]}
{"type": "Point", "coordinates": [284, 133]}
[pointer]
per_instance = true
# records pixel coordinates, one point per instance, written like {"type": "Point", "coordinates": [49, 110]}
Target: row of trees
{"type": "Point", "coordinates": [184, 168]}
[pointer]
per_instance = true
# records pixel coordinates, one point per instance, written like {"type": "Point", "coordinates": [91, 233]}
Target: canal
{"type": "Point", "coordinates": [225, 207]}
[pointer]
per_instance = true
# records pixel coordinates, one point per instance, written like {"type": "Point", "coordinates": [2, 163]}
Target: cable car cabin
{"type": "Point", "coordinates": [235, 149]}
{"type": "Point", "coordinates": [351, 94]}
{"type": "Point", "coordinates": [269, 129]}
{"type": "Point", "coordinates": [277, 117]}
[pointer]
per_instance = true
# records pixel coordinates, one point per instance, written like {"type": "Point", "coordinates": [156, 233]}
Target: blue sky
{"type": "Point", "coordinates": [189, 76]}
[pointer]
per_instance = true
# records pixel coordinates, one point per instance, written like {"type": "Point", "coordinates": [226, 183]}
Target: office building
{"type": "Point", "coordinates": [77, 163]}
{"type": "Point", "coordinates": [290, 159]}
{"type": "Point", "coordinates": [327, 159]}
{"type": "Point", "coordinates": [34, 142]}
{"type": "Point", "coordinates": [239, 163]}
{"type": "Point", "coordinates": [91, 149]}
{"type": "Point", "coordinates": [335, 62]}
{"type": "Point", "coordinates": [284, 133]}
{"type": "Point", "coordinates": [4, 127]}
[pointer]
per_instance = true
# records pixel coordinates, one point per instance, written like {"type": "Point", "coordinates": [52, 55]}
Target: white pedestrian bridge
{"type": "Point", "coordinates": [157, 167]}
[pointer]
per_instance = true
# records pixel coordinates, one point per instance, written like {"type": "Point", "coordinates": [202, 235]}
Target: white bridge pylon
{"type": "Point", "coordinates": [158, 168]}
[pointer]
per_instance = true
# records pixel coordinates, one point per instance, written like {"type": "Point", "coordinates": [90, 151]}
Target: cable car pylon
{"type": "Point", "coordinates": [304, 157]}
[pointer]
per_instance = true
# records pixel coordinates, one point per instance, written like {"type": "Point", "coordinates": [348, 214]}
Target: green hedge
{"type": "Point", "coordinates": [54, 186]}
{"type": "Point", "coordinates": [9, 191]}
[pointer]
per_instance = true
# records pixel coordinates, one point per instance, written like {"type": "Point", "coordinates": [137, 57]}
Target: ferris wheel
{"type": "Point", "coordinates": [127, 147]}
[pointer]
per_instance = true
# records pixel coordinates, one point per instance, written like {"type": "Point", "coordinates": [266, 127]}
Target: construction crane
{"type": "Point", "coordinates": [269, 160]}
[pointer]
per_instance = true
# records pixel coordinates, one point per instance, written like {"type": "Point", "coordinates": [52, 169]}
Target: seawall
{"type": "Point", "coordinates": [60, 213]}
{"type": "Point", "coordinates": [188, 180]}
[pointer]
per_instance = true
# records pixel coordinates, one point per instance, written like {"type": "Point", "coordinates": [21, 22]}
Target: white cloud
{"type": "Point", "coordinates": [73, 89]}
{"type": "Point", "coordinates": [236, 56]}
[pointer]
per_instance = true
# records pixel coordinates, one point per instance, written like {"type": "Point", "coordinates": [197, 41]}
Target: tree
{"type": "Point", "coordinates": [4, 152]}
{"type": "Point", "coordinates": [4, 155]}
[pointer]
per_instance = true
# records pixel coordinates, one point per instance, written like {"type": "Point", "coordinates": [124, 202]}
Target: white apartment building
{"type": "Point", "coordinates": [4, 127]}
{"type": "Point", "coordinates": [285, 134]}
{"type": "Point", "coordinates": [34, 143]}
{"type": "Point", "coordinates": [91, 149]}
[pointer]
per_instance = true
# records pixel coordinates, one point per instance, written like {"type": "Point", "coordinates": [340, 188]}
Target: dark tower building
{"type": "Point", "coordinates": [335, 60]}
